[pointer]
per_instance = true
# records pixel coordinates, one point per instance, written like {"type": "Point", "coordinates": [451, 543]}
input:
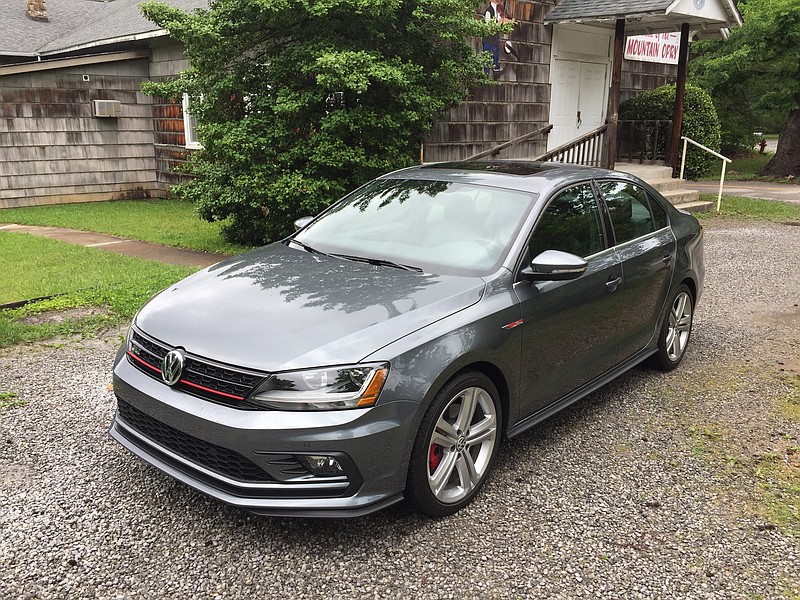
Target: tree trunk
{"type": "Point", "coordinates": [787, 158]}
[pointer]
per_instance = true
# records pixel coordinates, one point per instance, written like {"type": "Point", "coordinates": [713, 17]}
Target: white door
{"type": "Point", "coordinates": [577, 99]}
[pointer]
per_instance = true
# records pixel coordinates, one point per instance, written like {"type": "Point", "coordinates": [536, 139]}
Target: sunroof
{"type": "Point", "coordinates": [505, 167]}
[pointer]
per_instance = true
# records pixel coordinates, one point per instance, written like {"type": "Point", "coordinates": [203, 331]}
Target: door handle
{"type": "Point", "coordinates": [613, 284]}
{"type": "Point", "coordinates": [667, 258]}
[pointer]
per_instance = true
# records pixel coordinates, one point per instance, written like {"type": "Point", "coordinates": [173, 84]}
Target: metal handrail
{"type": "Point", "coordinates": [725, 162]}
{"type": "Point", "coordinates": [585, 150]}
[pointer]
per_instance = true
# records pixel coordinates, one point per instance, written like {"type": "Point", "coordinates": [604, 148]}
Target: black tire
{"type": "Point", "coordinates": [444, 477]}
{"type": "Point", "coordinates": [676, 331]}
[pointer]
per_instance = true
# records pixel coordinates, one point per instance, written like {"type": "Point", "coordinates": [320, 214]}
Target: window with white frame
{"type": "Point", "coordinates": [190, 124]}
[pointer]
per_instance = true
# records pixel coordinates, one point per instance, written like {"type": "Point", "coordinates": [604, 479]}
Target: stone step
{"type": "Point", "coordinates": [677, 197]}
{"type": "Point", "coordinates": [647, 172]}
{"type": "Point", "coordinates": [666, 185]}
{"type": "Point", "coordinates": [674, 190]}
{"type": "Point", "coordinates": [699, 206]}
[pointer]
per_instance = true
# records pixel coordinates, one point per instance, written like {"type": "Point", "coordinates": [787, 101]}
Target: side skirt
{"type": "Point", "coordinates": [581, 392]}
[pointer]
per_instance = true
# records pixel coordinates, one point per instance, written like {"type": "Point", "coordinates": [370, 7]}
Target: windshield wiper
{"type": "Point", "coordinates": [380, 262]}
{"type": "Point", "coordinates": [306, 247]}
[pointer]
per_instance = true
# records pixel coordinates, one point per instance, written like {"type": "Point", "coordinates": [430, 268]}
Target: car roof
{"type": "Point", "coordinates": [523, 175]}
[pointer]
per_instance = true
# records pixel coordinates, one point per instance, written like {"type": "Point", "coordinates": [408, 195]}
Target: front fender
{"type": "Point", "coordinates": [425, 360]}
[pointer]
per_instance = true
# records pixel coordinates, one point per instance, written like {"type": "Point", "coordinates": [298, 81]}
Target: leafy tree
{"type": "Point", "coordinates": [299, 102]}
{"type": "Point", "coordinates": [754, 79]}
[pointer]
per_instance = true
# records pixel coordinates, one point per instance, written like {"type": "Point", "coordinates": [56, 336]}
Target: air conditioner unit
{"type": "Point", "coordinates": [107, 108]}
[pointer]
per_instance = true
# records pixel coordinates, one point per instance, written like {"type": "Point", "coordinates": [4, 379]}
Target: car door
{"type": "Point", "coordinates": [569, 333]}
{"type": "Point", "coordinates": [646, 249]}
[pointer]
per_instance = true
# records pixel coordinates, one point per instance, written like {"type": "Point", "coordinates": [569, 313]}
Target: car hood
{"type": "Point", "coordinates": [280, 308]}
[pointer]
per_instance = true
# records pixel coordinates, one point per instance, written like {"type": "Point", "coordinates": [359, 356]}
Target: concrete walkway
{"type": "Point", "coordinates": [118, 245]}
{"type": "Point", "coordinates": [766, 190]}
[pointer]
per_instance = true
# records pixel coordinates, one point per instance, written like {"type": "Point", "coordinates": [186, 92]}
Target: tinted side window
{"type": "Point", "coordinates": [659, 214]}
{"type": "Point", "coordinates": [629, 208]}
{"type": "Point", "coordinates": [571, 223]}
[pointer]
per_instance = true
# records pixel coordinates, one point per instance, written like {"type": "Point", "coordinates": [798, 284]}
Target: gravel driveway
{"type": "Point", "coordinates": [658, 486]}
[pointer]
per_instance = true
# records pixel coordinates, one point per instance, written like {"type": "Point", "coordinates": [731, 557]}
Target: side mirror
{"type": "Point", "coordinates": [554, 265]}
{"type": "Point", "coordinates": [302, 222]}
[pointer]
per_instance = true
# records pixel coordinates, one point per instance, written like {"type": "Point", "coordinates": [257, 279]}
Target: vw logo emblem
{"type": "Point", "coordinates": [172, 367]}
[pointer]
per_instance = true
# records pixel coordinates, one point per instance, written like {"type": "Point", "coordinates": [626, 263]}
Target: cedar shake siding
{"type": "Point", "coordinates": [519, 100]}
{"type": "Point", "coordinates": [52, 148]}
{"type": "Point", "coordinates": [638, 76]}
{"type": "Point", "coordinates": [170, 140]}
{"type": "Point", "coordinates": [516, 104]}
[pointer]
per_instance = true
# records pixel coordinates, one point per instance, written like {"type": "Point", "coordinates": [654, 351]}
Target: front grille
{"type": "Point", "coordinates": [214, 458]}
{"type": "Point", "coordinates": [201, 377]}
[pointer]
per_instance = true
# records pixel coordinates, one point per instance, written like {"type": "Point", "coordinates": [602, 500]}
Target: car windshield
{"type": "Point", "coordinates": [438, 226]}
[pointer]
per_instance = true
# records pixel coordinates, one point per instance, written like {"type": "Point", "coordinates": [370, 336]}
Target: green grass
{"type": "Point", "coordinates": [774, 470]}
{"type": "Point", "coordinates": [791, 408]}
{"type": "Point", "coordinates": [746, 168]}
{"type": "Point", "coordinates": [168, 222]}
{"type": "Point", "coordinates": [9, 400]}
{"type": "Point", "coordinates": [743, 167]}
{"type": "Point", "coordinates": [110, 288]}
{"type": "Point", "coordinates": [752, 209]}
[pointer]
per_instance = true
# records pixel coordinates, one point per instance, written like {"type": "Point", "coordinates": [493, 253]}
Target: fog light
{"type": "Point", "coordinates": [322, 466]}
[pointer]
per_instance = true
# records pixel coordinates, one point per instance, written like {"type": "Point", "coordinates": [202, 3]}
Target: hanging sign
{"type": "Point", "coordinates": [658, 48]}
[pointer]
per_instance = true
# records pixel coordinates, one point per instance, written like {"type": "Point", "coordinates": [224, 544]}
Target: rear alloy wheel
{"type": "Point", "coordinates": [455, 446]}
{"type": "Point", "coordinates": [676, 331]}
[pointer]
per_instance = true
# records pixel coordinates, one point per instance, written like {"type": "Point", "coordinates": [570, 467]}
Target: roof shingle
{"type": "Point", "coordinates": [594, 9]}
{"type": "Point", "coordinates": [74, 24]}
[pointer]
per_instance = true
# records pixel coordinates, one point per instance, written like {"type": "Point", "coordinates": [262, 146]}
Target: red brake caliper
{"type": "Point", "coordinates": [434, 457]}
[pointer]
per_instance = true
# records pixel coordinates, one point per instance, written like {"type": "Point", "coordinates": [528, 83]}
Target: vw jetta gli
{"type": "Point", "coordinates": [384, 350]}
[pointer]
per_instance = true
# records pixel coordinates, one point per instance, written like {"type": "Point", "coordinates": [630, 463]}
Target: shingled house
{"type": "Point", "coordinates": [75, 126]}
{"type": "Point", "coordinates": [561, 70]}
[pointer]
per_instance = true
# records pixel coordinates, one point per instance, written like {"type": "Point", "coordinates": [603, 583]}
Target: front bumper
{"type": "Point", "coordinates": [248, 458]}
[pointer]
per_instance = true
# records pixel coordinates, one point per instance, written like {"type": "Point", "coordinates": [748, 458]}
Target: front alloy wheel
{"type": "Point", "coordinates": [456, 444]}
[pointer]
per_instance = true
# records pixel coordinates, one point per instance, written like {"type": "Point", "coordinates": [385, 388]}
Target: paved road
{"type": "Point", "coordinates": [784, 192]}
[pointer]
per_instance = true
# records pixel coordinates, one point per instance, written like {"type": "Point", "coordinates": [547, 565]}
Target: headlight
{"type": "Point", "coordinates": [333, 388]}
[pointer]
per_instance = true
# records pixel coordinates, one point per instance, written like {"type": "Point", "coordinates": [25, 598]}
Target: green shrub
{"type": "Point", "coordinates": [737, 136]}
{"type": "Point", "coordinates": [299, 103]}
{"type": "Point", "coordinates": [700, 121]}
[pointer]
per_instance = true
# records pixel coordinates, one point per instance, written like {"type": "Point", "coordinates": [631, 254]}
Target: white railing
{"type": "Point", "coordinates": [725, 162]}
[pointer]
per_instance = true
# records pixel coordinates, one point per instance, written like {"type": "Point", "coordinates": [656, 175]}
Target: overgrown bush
{"type": "Point", "coordinates": [700, 121]}
{"type": "Point", "coordinates": [736, 137]}
{"type": "Point", "coordinates": [298, 103]}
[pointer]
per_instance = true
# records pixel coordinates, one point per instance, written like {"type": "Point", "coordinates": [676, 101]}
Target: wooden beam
{"type": "Point", "coordinates": [614, 95]}
{"type": "Point", "coordinates": [680, 90]}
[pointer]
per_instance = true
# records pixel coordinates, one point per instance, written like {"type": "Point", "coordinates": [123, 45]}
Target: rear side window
{"type": "Point", "coordinates": [632, 213]}
{"type": "Point", "coordinates": [659, 214]}
{"type": "Point", "coordinates": [571, 223]}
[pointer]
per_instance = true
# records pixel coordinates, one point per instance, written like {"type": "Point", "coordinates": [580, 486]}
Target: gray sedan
{"type": "Point", "coordinates": [383, 350]}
